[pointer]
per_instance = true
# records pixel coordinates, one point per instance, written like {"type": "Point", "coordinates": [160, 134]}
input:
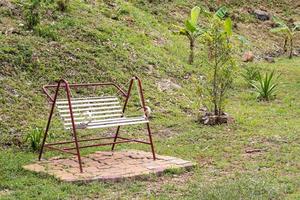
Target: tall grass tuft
{"type": "Point", "coordinates": [34, 138]}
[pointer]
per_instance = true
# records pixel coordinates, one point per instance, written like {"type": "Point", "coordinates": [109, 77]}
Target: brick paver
{"type": "Point", "coordinates": [108, 166]}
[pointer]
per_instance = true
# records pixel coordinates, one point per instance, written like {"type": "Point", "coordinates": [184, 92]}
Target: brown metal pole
{"type": "Point", "coordinates": [73, 125]}
{"type": "Point", "coordinates": [151, 142]}
{"type": "Point", "coordinates": [45, 87]}
{"type": "Point", "coordinates": [49, 120]}
{"type": "Point", "coordinates": [115, 138]}
{"type": "Point", "coordinates": [145, 111]}
{"type": "Point", "coordinates": [124, 108]}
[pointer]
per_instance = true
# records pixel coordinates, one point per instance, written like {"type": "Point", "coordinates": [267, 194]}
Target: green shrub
{"type": "Point", "coordinates": [46, 31]}
{"type": "Point", "coordinates": [265, 86]}
{"type": "Point", "coordinates": [32, 13]}
{"type": "Point", "coordinates": [34, 138]}
{"type": "Point", "coordinates": [250, 74]}
{"type": "Point", "coordinates": [63, 4]}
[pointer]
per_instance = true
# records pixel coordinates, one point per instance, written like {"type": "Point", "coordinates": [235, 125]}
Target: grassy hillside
{"type": "Point", "coordinates": [111, 41]}
{"type": "Point", "coordinates": [101, 41]}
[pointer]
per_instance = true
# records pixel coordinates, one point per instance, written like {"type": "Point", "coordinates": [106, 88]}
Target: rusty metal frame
{"type": "Point", "coordinates": [64, 84]}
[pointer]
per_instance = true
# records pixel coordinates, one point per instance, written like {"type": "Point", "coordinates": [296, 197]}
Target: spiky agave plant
{"type": "Point", "coordinates": [191, 30]}
{"type": "Point", "coordinates": [265, 87]}
{"type": "Point", "coordinates": [287, 32]}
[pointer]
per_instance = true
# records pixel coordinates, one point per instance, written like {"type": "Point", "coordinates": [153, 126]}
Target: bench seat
{"type": "Point", "coordinates": [95, 112]}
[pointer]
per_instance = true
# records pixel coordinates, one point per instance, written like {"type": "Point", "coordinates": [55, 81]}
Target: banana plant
{"type": "Point", "coordinates": [191, 30]}
{"type": "Point", "coordinates": [287, 32]}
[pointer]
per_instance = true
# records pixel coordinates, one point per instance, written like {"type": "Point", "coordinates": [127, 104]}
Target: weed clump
{"type": "Point", "coordinates": [32, 13]}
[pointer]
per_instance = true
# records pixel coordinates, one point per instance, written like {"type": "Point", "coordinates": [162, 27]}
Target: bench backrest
{"type": "Point", "coordinates": [86, 110]}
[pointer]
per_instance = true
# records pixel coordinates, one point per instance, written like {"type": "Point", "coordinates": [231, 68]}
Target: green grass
{"type": "Point", "coordinates": [224, 170]}
{"type": "Point", "coordinates": [113, 41]}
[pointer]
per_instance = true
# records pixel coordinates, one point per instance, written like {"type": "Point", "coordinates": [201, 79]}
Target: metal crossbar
{"type": "Point", "coordinates": [92, 113]}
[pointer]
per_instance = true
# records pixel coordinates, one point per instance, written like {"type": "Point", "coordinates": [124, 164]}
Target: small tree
{"type": "Point", "coordinates": [191, 30]}
{"type": "Point", "coordinates": [221, 64]}
{"type": "Point", "coordinates": [287, 32]}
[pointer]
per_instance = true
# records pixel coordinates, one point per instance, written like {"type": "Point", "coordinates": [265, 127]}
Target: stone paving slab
{"type": "Point", "coordinates": [108, 166]}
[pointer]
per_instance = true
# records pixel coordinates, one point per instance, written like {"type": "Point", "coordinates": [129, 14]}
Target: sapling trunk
{"type": "Point", "coordinates": [216, 110]}
{"type": "Point", "coordinates": [215, 53]}
{"type": "Point", "coordinates": [285, 45]}
{"type": "Point", "coordinates": [291, 49]}
{"type": "Point", "coordinates": [192, 46]}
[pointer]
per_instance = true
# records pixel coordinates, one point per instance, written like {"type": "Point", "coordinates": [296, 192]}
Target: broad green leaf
{"type": "Point", "coordinates": [189, 26]}
{"type": "Point", "coordinates": [283, 29]}
{"type": "Point", "coordinates": [195, 15]}
{"type": "Point", "coordinates": [228, 26]}
{"type": "Point", "coordinates": [222, 12]}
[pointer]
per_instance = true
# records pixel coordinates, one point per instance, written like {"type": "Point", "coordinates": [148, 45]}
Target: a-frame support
{"type": "Point", "coordinates": [67, 87]}
{"type": "Point", "coordinates": [143, 106]}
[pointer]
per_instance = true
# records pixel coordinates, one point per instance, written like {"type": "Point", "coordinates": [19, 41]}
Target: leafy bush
{"type": "Point", "coordinates": [34, 138]}
{"type": "Point", "coordinates": [265, 86]}
{"type": "Point", "coordinates": [251, 74]}
{"type": "Point", "coordinates": [32, 13]}
{"type": "Point", "coordinates": [63, 4]}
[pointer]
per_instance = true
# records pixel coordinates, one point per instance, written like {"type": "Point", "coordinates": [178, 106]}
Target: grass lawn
{"type": "Point", "coordinates": [224, 170]}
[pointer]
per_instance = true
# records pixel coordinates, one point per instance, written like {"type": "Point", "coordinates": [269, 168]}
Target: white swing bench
{"type": "Point", "coordinates": [93, 113]}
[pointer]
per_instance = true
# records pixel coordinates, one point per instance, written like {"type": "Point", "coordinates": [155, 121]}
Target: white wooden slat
{"type": "Point", "coordinates": [87, 105]}
{"type": "Point", "coordinates": [86, 101]}
{"type": "Point", "coordinates": [87, 98]}
{"type": "Point", "coordinates": [110, 116]}
{"type": "Point", "coordinates": [109, 121]}
{"type": "Point", "coordinates": [119, 122]}
{"type": "Point", "coordinates": [92, 115]}
{"type": "Point", "coordinates": [88, 109]}
{"type": "Point", "coordinates": [106, 116]}
{"type": "Point", "coordinates": [110, 108]}
{"type": "Point", "coordinates": [103, 120]}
